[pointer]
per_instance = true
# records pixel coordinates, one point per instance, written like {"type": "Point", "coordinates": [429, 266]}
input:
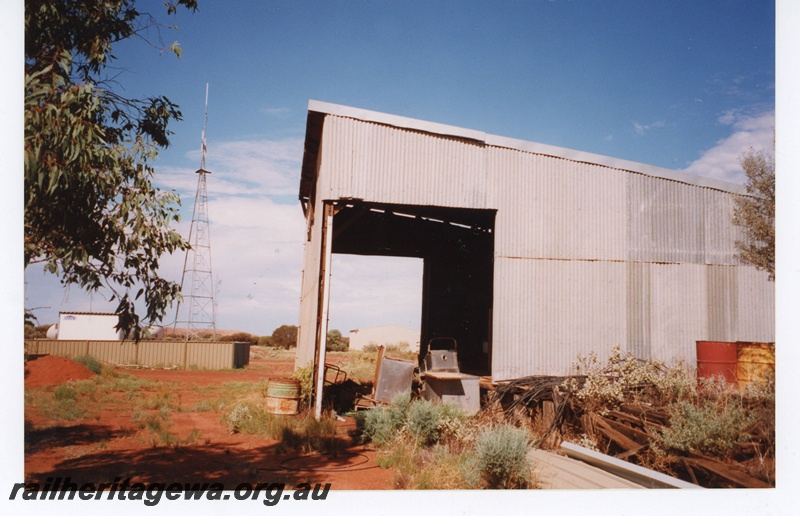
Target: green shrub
{"type": "Point", "coordinates": [429, 468]}
{"type": "Point", "coordinates": [284, 337]}
{"type": "Point", "coordinates": [336, 342]}
{"type": "Point", "coordinates": [247, 418]}
{"type": "Point", "coordinates": [712, 428]}
{"type": "Point", "coordinates": [64, 405]}
{"type": "Point", "coordinates": [382, 423]}
{"type": "Point", "coordinates": [502, 457]}
{"type": "Point", "coordinates": [305, 375]}
{"type": "Point", "coordinates": [91, 363]}
{"type": "Point", "coordinates": [305, 435]}
{"type": "Point", "coordinates": [425, 422]}
{"type": "Point", "coordinates": [422, 421]}
{"type": "Point", "coordinates": [264, 341]}
{"type": "Point", "coordinates": [64, 392]}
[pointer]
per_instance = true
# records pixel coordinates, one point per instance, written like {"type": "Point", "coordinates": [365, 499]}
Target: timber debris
{"type": "Point", "coordinates": [627, 431]}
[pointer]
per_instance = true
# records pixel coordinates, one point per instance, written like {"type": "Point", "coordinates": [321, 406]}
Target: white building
{"type": "Point", "coordinates": [87, 326]}
{"type": "Point", "coordinates": [533, 254]}
{"type": "Point", "coordinates": [388, 335]}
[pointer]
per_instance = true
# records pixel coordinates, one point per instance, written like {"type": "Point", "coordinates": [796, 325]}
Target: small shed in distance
{"type": "Point", "coordinates": [88, 326]}
{"type": "Point", "coordinates": [533, 254]}
{"type": "Point", "coordinates": [387, 335]}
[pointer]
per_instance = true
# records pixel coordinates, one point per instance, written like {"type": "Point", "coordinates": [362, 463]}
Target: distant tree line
{"type": "Point", "coordinates": [285, 337]}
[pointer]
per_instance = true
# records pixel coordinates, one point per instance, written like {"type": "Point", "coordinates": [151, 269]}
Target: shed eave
{"type": "Point", "coordinates": [318, 109]}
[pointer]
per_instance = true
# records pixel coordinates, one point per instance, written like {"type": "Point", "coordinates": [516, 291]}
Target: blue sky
{"type": "Point", "coordinates": [684, 85]}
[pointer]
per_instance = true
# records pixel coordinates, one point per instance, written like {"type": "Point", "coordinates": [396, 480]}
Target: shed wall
{"type": "Point", "coordinates": [385, 164]}
{"type": "Point", "coordinates": [586, 256]}
{"type": "Point", "coordinates": [310, 290]}
{"type": "Point", "coordinates": [552, 208]}
{"type": "Point", "coordinates": [546, 312]}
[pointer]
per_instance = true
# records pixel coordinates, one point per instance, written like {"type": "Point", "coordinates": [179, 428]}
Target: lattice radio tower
{"type": "Point", "coordinates": [200, 312]}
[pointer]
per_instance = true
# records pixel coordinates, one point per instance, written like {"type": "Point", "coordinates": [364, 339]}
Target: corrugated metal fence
{"type": "Point", "coordinates": [151, 353]}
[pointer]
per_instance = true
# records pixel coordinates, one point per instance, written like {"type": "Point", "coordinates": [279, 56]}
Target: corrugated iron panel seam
{"type": "Point", "coordinates": [593, 163]}
{"type": "Point", "coordinates": [593, 260]}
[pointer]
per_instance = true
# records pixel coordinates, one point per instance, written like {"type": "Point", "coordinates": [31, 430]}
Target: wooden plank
{"type": "Point", "coordinates": [690, 471]}
{"type": "Point", "coordinates": [624, 416]}
{"type": "Point", "coordinates": [630, 453]}
{"type": "Point", "coordinates": [631, 433]}
{"type": "Point", "coordinates": [619, 439]}
{"type": "Point", "coordinates": [548, 414]}
{"type": "Point", "coordinates": [727, 471]}
{"type": "Point", "coordinates": [648, 414]}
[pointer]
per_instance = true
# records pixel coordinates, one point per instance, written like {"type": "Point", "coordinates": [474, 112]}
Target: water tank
{"type": "Point", "coordinates": [52, 332]}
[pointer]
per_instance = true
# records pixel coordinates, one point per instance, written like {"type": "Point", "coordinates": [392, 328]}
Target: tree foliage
{"type": "Point", "coordinates": [755, 213]}
{"type": "Point", "coordinates": [284, 337]}
{"type": "Point", "coordinates": [336, 342]}
{"type": "Point", "coordinates": [92, 213]}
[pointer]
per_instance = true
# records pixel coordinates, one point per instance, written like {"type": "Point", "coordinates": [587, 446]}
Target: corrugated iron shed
{"type": "Point", "coordinates": [533, 254]}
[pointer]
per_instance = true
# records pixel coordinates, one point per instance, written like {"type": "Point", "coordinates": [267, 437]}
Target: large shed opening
{"type": "Point", "coordinates": [457, 248]}
{"type": "Point", "coordinates": [375, 291]}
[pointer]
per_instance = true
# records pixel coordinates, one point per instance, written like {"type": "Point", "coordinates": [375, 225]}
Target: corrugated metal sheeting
{"type": "Point", "coordinates": [586, 256]}
{"type": "Point", "coordinates": [150, 353]}
{"type": "Point", "coordinates": [310, 289]}
{"type": "Point", "coordinates": [546, 312]}
{"type": "Point", "coordinates": [364, 160]}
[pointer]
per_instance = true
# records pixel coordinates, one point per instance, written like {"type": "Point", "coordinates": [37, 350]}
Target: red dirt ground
{"type": "Point", "coordinates": [53, 370]}
{"type": "Point", "coordinates": [109, 444]}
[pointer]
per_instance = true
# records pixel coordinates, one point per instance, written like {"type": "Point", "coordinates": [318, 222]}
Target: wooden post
{"type": "Point", "coordinates": [322, 324]}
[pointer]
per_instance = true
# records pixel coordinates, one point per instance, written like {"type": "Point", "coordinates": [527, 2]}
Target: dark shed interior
{"type": "Point", "coordinates": [457, 247]}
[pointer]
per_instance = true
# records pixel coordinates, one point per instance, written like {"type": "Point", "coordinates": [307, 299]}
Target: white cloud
{"type": "Point", "coordinates": [643, 128]}
{"type": "Point", "coordinates": [276, 112]}
{"type": "Point", "coordinates": [251, 167]}
{"type": "Point", "coordinates": [256, 254]}
{"type": "Point", "coordinates": [722, 160]}
{"type": "Point", "coordinates": [369, 291]}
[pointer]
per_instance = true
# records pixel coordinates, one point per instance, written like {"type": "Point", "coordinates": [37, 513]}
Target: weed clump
{"type": "Point", "coordinates": [711, 428]}
{"type": "Point", "coordinates": [502, 457]}
{"type": "Point", "coordinates": [435, 446]}
{"type": "Point", "coordinates": [306, 435]}
{"type": "Point", "coordinates": [305, 375]}
{"type": "Point", "coordinates": [90, 363]}
{"type": "Point", "coordinates": [421, 420]}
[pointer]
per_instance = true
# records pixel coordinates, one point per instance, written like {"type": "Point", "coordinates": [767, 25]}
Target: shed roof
{"type": "Point", "coordinates": [88, 313]}
{"type": "Point", "coordinates": [317, 111]}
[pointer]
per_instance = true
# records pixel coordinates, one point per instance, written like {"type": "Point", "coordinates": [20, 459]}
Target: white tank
{"type": "Point", "coordinates": [156, 331]}
{"type": "Point", "coordinates": [52, 332]}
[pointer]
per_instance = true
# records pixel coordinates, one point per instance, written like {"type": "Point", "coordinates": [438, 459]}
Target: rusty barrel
{"type": "Point", "coordinates": [717, 359]}
{"type": "Point", "coordinates": [756, 362]}
{"type": "Point", "coordinates": [283, 396]}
